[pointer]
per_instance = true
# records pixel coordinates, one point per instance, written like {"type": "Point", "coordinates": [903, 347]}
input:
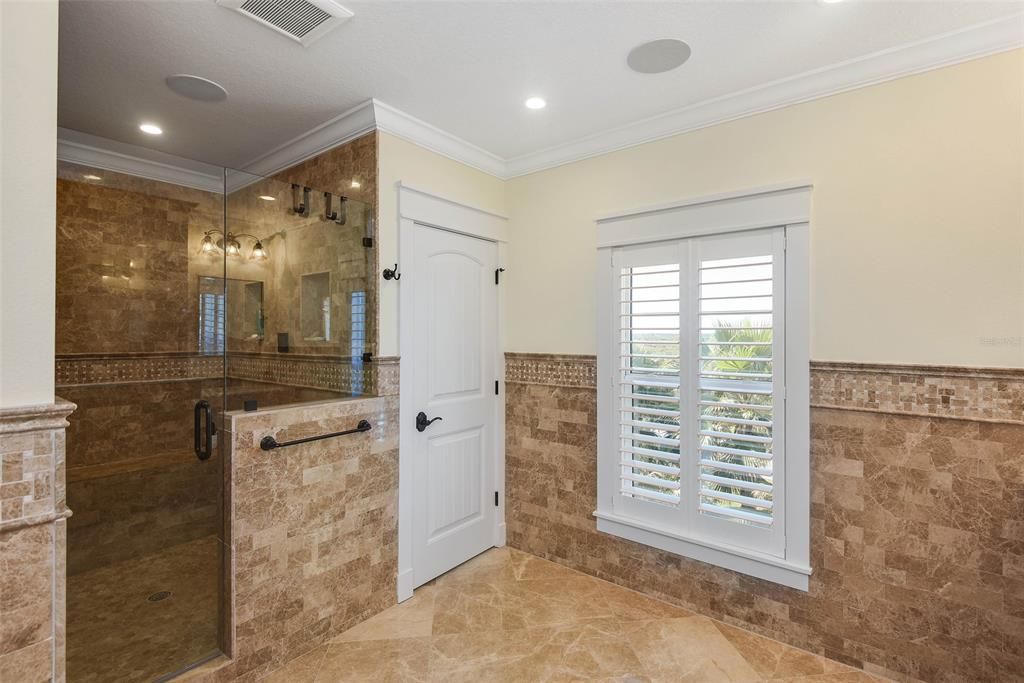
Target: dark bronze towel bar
{"type": "Point", "coordinates": [269, 443]}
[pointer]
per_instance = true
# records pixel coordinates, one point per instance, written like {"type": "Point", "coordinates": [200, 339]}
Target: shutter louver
{"type": "Point", "coordinates": [737, 391]}
{"type": "Point", "coordinates": [649, 400]}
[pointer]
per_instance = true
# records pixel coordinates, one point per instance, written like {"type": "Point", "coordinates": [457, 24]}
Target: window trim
{"type": "Point", "coordinates": [787, 207]}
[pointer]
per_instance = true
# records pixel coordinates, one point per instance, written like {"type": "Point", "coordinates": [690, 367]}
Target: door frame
{"type": "Point", "coordinates": [416, 206]}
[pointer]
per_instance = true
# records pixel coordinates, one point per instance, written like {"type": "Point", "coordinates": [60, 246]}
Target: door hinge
{"type": "Point", "coordinates": [497, 272]}
{"type": "Point", "coordinates": [495, 387]}
{"type": "Point", "coordinates": [495, 499]}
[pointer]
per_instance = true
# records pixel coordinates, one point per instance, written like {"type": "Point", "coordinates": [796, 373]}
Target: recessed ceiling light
{"type": "Point", "coordinates": [90, 176]}
{"type": "Point", "coordinates": [196, 88]}
{"type": "Point", "coordinates": [535, 103]}
{"type": "Point", "coordinates": [151, 129]}
{"type": "Point", "coordinates": [658, 56]}
{"type": "Point", "coordinates": [355, 184]}
{"type": "Point", "coordinates": [268, 198]}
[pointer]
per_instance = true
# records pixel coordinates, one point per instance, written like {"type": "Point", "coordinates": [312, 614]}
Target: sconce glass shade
{"type": "Point", "coordinates": [232, 247]}
{"type": "Point", "coordinates": [259, 253]}
{"type": "Point", "coordinates": [207, 245]}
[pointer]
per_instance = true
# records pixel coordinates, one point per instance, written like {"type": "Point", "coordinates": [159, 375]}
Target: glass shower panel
{"type": "Point", "coordinates": [141, 319]}
{"type": "Point", "coordinates": [298, 265]}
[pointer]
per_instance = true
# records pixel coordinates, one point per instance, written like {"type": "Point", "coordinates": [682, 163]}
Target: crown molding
{"type": "Point", "coordinates": [110, 155]}
{"type": "Point", "coordinates": [938, 51]}
{"type": "Point", "coordinates": [364, 118]}
{"type": "Point", "coordinates": [347, 126]}
{"type": "Point", "coordinates": [402, 125]}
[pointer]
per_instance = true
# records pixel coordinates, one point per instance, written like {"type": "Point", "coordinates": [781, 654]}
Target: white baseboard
{"type": "Point", "coordinates": [404, 585]}
{"type": "Point", "coordinates": [499, 540]}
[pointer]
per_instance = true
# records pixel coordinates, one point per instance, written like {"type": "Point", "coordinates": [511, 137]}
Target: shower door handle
{"type": "Point", "coordinates": [203, 435]}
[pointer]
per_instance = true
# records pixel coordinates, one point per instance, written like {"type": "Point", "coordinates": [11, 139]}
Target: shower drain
{"type": "Point", "coordinates": [159, 595]}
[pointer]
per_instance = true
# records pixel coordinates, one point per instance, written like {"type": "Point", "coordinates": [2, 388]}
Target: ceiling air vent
{"type": "Point", "coordinates": [304, 21]}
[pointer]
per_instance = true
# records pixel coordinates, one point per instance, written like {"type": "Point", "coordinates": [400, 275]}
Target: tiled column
{"type": "Point", "coordinates": [33, 542]}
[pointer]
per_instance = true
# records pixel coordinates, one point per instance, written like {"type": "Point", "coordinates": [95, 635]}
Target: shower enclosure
{"type": "Point", "coordinates": [174, 305]}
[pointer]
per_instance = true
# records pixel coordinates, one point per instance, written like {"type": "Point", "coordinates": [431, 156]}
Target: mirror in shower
{"type": "Point", "coordinates": [241, 322]}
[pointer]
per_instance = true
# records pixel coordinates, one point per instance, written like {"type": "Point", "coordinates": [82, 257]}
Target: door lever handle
{"type": "Point", "coordinates": [422, 422]}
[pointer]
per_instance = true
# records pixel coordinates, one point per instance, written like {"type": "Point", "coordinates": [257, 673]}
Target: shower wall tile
{"type": "Point", "coordinates": [127, 262]}
{"type": "Point", "coordinates": [32, 513]}
{"type": "Point", "coordinates": [339, 170]}
{"type": "Point", "coordinates": [917, 520]}
{"type": "Point", "coordinates": [314, 528]}
{"type": "Point", "coordinates": [130, 259]}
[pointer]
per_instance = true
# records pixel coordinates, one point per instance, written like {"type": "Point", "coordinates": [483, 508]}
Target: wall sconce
{"type": "Point", "coordinates": [258, 252]}
{"type": "Point", "coordinates": [230, 245]}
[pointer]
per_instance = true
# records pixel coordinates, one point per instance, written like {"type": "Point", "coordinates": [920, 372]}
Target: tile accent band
{"type": "Point", "coordinates": [981, 394]}
{"type": "Point", "coordinates": [305, 370]}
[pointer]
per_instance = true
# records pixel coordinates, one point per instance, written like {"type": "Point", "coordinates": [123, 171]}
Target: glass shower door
{"type": "Point", "coordinates": [298, 276]}
{"type": "Point", "coordinates": [141, 351]}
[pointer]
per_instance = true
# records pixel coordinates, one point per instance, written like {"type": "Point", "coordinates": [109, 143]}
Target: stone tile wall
{"type": "Point", "coordinates": [32, 543]}
{"type": "Point", "coordinates": [314, 531]}
{"type": "Point", "coordinates": [127, 257]}
{"type": "Point", "coordinates": [917, 520]}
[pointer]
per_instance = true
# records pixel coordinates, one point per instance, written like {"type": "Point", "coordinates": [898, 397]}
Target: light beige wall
{"type": "Point", "coordinates": [917, 217]}
{"type": "Point", "coordinates": [401, 161]}
{"type": "Point", "coordinates": [28, 168]}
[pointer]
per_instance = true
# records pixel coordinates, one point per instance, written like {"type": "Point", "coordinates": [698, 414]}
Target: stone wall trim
{"type": "Point", "coordinates": [36, 418]}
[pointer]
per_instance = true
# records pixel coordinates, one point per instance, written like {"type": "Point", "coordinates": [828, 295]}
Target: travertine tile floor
{"type": "Point", "coordinates": [509, 616]}
{"type": "Point", "coordinates": [116, 636]}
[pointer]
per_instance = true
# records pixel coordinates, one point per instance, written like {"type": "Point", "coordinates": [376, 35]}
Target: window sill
{"type": "Point", "coordinates": [765, 567]}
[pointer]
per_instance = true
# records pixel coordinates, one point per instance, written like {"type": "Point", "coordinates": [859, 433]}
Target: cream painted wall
{"type": "Point", "coordinates": [917, 217]}
{"type": "Point", "coordinates": [401, 161]}
{"type": "Point", "coordinates": [28, 168]}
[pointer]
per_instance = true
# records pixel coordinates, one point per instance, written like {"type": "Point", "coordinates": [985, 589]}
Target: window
{"type": "Point", "coordinates": [358, 347]}
{"type": "Point", "coordinates": [700, 419]}
{"type": "Point", "coordinates": [211, 321]}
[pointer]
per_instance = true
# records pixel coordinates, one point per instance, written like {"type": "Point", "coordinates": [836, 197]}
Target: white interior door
{"type": "Point", "coordinates": [455, 347]}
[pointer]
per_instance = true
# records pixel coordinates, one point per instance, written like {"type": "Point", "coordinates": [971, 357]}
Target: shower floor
{"type": "Point", "coordinates": [116, 634]}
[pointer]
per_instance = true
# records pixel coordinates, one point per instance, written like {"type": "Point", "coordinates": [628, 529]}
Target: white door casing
{"type": "Point", "coordinates": [451, 367]}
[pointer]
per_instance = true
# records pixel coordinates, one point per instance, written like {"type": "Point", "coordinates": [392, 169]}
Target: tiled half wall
{"type": "Point", "coordinates": [33, 538]}
{"type": "Point", "coordinates": [314, 531]}
{"type": "Point", "coordinates": [917, 516]}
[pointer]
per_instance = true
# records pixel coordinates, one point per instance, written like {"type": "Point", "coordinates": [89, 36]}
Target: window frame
{"type": "Point", "coordinates": [786, 208]}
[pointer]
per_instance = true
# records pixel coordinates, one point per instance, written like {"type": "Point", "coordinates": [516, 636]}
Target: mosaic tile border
{"type": "Point", "coordinates": [551, 369]}
{"type": "Point", "coordinates": [983, 394]}
{"type": "Point", "coordinates": [377, 377]}
{"type": "Point", "coordinates": [117, 369]}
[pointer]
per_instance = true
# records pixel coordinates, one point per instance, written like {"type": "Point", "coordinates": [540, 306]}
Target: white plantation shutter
{"type": "Point", "coordinates": [703, 393]}
{"type": "Point", "coordinates": [699, 387]}
{"type": "Point", "coordinates": [649, 366]}
{"type": "Point", "coordinates": [738, 401]}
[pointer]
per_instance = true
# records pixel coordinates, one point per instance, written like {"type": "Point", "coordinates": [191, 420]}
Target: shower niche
{"type": "Point", "coordinates": [315, 307]}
